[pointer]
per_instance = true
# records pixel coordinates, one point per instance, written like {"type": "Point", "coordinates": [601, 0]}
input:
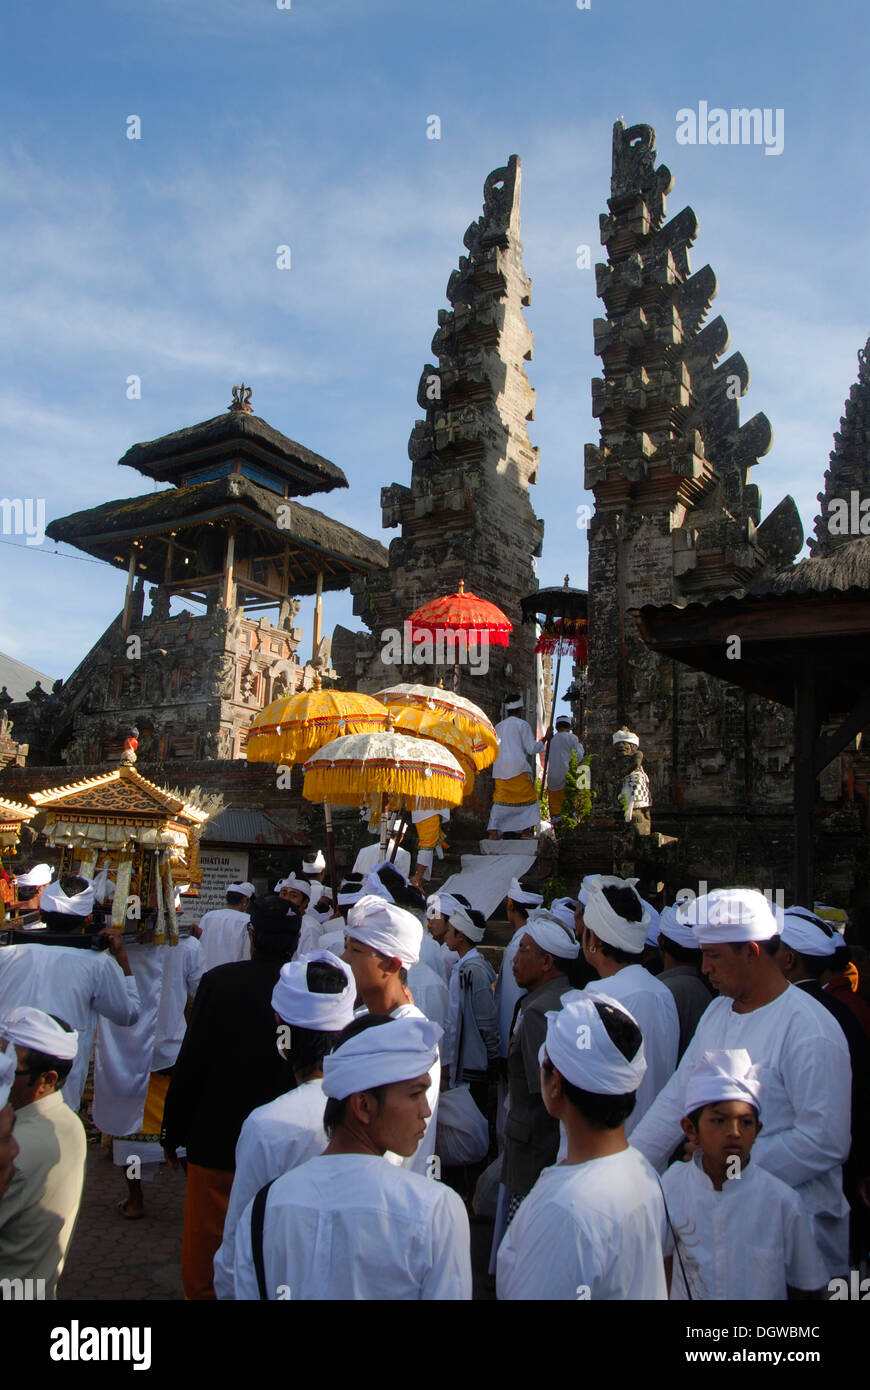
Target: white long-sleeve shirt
{"type": "Point", "coordinates": [652, 1004]}
{"type": "Point", "coordinates": [507, 991]}
{"type": "Point", "coordinates": [587, 1231]}
{"type": "Point", "coordinates": [516, 745]}
{"type": "Point", "coordinates": [806, 1083]}
{"type": "Point", "coordinates": [349, 1226]}
{"type": "Point", "coordinates": [274, 1138]}
{"type": "Point", "coordinates": [562, 745]}
{"type": "Point", "coordinates": [751, 1240]}
{"type": "Point", "coordinates": [74, 984]}
{"type": "Point", "coordinates": [224, 937]}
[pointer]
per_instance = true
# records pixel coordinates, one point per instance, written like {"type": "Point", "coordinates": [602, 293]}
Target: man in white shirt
{"type": "Point", "coordinates": [564, 743]}
{"type": "Point", "coordinates": [132, 1065]}
{"type": "Point", "coordinates": [76, 984]}
{"type": "Point", "coordinates": [382, 943]}
{"type": "Point", "coordinates": [590, 1228]}
{"type": "Point", "coordinates": [514, 798]}
{"type": "Point", "coordinates": [39, 1211]}
{"type": "Point", "coordinates": [520, 902]}
{"type": "Point", "coordinates": [314, 998]}
{"type": "Point", "coordinates": [615, 927]}
{"type": "Point", "coordinates": [806, 1074]}
{"type": "Point", "coordinates": [347, 1225]}
{"type": "Point", "coordinates": [223, 932]}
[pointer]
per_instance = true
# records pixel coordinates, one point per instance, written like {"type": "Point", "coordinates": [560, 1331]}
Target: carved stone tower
{"type": "Point", "coordinates": [676, 517]}
{"type": "Point", "coordinates": [847, 480]}
{"type": "Point", "coordinates": [467, 514]}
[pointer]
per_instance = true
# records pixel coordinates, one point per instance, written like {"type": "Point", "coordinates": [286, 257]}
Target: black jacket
{"type": "Point", "coordinates": [228, 1063]}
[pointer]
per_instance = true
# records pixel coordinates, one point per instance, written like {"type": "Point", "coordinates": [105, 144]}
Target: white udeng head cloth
{"type": "Point", "coordinates": [582, 1050]}
{"type": "Point", "coordinates": [563, 908]}
{"type": "Point", "coordinates": [552, 935]}
{"type": "Point", "coordinates": [54, 899]}
{"type": "Point", "coordinates": [400, 1050]}
{"type": "Point", "coordinates": [245, 889]}
{"type": "Point", "coordinates": [388, 929]}
{"type": "Point", "coordinates": [460, 921]}
{"type": "Point", "coordinates": [295, 1003]}
{"type": "Point", "coordinates": [522, 897]}
{"type": "Point", "coordinates": [37, 877]}
{"type": "Point", "coordinates": [727, 1074]}
{"type": "Point", "coordinates": [314, 866]}
{"type": "Point", "coordinates": [675, 930]}
{"type": "Point", "coordinates": [808, 934]}
{"type": "Point", "coordinates": [730, 915]}
{"type": "Point", "coordinates": [605, 921]}
{"type": "Point", "coordinates": [27, 1027]}
{"type": "Point", "coordinates": [8, 1063]}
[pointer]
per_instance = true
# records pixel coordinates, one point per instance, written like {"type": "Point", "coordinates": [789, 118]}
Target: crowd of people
{"type": "Point", "coordinates": [645, 1104]}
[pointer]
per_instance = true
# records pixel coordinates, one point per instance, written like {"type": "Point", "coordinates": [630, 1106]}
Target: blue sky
{"type": "Point", "coordinates": [307, 126]}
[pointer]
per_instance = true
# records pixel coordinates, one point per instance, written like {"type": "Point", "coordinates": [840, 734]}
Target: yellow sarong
{"type": "Point", "coordinates": [155, 1100]}
{"type": "Point", "coordinates": [514, 791]}
{"type": "Point", "coordinates": [428, 831]}
{"type": "Point", "coordinates": [554, 801]}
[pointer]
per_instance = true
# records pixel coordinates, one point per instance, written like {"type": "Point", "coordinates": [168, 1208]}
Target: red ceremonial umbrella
{"type": "Point", "coordinates": [462, 612]}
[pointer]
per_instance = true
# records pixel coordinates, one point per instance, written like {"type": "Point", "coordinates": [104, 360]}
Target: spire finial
{"type": "Point", "coordinates": [242, 400]}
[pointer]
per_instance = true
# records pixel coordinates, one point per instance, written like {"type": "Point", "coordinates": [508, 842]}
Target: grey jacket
{"type": "Point", "coordinates": [477, 1039]}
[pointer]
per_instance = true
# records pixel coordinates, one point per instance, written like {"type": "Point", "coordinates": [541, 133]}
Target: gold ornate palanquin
{"type": "Point", "coordinates": [119, 825]}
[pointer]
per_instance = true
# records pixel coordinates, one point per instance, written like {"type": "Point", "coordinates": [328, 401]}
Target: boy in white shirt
{"type": "Point", "coordinates": [734, 1230]}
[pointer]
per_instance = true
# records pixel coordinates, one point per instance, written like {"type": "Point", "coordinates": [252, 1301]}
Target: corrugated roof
{"type": "Point", "coordinates": [19, 678]}
{"type": "Point", "coordinates": [236, 825]}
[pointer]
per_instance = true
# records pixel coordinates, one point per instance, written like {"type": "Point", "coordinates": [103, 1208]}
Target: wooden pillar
{"type": "Point", "coordinates": [284, 606]}
{"type": "Point", "coordinates": [228, 569]}
{"type": "Point", "coordinates": [131, 574]}
{"type": "Point", "coordinates": [170, 556]}
{"type": "Point", "coordinates": [804, 780]}
{"type": "Point", "coordinates": [318, 615]}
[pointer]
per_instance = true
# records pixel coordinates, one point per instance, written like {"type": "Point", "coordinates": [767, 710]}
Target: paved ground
{"type": "Point", "coordinates": [141, 1260]}
{"type": "Point", "coordinates": [113, 1258]}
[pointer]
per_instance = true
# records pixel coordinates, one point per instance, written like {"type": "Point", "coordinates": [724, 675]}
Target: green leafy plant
{"type": "Point", "coordinates": [579, 796]}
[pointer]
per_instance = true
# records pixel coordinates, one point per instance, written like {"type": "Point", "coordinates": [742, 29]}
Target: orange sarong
{"type": "Point", "coordinates": [554, 800]}
{"type": "Point", "coordinates": [428, 831]}
{"type": "Point", "coordinates": [205, 1207]}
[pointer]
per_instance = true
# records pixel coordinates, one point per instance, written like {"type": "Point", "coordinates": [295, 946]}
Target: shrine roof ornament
{"type": "Point", "coordinates": [122, 793]}
{"type": "Point", "coordinates": [236, 441]}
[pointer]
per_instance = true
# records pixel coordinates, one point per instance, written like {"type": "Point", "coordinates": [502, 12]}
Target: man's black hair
{"type": "Point", "coordinates": [600, 1111]}
{"type": "Point", "coordinates": [814, 966]}
{"type": "Point", "coordinates": [683, 954]}
{"type": "Point", "coordinates": [403, 894]}
{"type": "Point", "coordinates": [235, 899]}
{"type": "Point", "coordinates": [66, 922]}
{"type": "Point", "coordinates": [460, 898]}
{"type": "Point", "coordinates": [40, 1062]}
{"type": "Point", "coordinates": [275, 930]}
{"type": "Point", "coordinates": [524, 908]}
{"type": "Point", "coordinates": [625, 902]}
{"type": "Point", "coordinates": [334, 1112]}
{"type": "Point", "coordinates": [28, 891]}
{"type": "Point", "coordinates": [309, 1046]}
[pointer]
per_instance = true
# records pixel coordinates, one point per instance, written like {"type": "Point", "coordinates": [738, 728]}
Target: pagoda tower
{"type": "Point", "coordinates": [847, 480]}
{"type": "Point", "coordinates": [677, 519]}
{"type": "Point", "coordinates": [466, 514]}
{"type": "Point", "coordinates": [229, 539]}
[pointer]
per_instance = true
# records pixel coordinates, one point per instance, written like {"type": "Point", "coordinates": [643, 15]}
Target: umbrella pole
{"type": "Point", "coordinates": [552, 715]}
{"type": "Point", "coordinates": [383, 842]}
{"type": "Point", "coordinates": [401, 831]}
{"type": "Point", "coordinates": [330, 852]}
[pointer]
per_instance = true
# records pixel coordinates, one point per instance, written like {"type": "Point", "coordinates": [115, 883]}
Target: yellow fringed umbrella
{"type": "Point", "coordinates": [429, 711]}
{"type": "Point", "coordinates": [289, 730]}
{"type": "Point", "coordinates": [399, 770]}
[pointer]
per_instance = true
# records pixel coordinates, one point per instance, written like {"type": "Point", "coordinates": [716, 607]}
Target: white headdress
{"type": "Point", "coordinates": [386, 928]}
{"type": "Point", "coordinates": [293, 1001]}
{"type": "Point", "coordinates": [605, 921]}
{"type": "Point", "coordinates": [723, 1075]}
{"type": "Point", "coordinates": [582, 1050]}
{"type": "Point", "coordinates": [29, 1027]}
{"type": "Point", "coordinates": [400, 1050]}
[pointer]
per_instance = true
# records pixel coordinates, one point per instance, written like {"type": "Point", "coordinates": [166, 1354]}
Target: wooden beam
{"type": "Point", "coordinates": [832, 744]}
{"type": "Point", "coordinates": [228, 569]}
{"type": "Point", "coordinates": [805, 732]}
{"type": "Point", "coordinates": [318, 615]}
{"type": "Point", "coordinates": [128, 595]}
